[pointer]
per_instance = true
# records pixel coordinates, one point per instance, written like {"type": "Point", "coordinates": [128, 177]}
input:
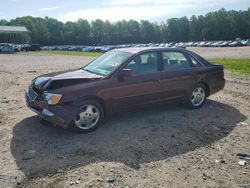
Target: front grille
{"type": "Point", "coordinates": [32, 94]}
{"type": "Point", "coordinates": [35, 89]}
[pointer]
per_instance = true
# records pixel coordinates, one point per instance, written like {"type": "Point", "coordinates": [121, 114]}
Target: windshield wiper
{"type": "Point", "coordinates": [88, 70]}
{"type": "Point", "coordinates": [93, 72]}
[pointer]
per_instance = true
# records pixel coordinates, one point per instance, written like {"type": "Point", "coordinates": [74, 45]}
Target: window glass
{"type": "Point", "coordinates": [194, 62]}
{"type": "Point", "coordinates": [174, 61]}
{"type": "Point", "coordinates": [107, 63]}
{"type": "Point", "coordinates": [144, 64]}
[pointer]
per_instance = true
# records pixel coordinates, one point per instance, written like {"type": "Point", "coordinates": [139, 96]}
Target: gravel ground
{"type": "Point", "coordinates": [159, 146]}
{"type": "Point", "coordinates": [223, 52]}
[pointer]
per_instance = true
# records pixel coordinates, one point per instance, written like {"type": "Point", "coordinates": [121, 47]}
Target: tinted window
{"type": "Point", "coordinates": [174, 61]}
{"type": "Point", "coordinates": [144, 64]}
{"type": "Point", "coordinates": [194, 62]}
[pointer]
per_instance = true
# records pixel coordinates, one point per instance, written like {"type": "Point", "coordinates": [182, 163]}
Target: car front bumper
{"type": "Point", "coordinates": [59, 115]}
{"type": "Point", "coordinates": [47, 115]}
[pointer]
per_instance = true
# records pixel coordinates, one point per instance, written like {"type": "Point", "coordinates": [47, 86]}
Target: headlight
{"type": "Point", "coordinates": [52, 98]}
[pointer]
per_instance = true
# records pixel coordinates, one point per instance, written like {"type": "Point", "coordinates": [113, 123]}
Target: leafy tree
{"type": "Point", "coordinates": [134, 31]}
{"type": "Point", "coordinates": [147, 31]}
{"type": "Point", "coordinates": [82, 31]}
{"type": "Point", "coordinates": [97, 30]}
{"type": "Point", "coordinates": [217, 25]}
{"type": "Point", "coordinates": [38, 32]}
{"type": "Point", "coordinates": [55, 28]}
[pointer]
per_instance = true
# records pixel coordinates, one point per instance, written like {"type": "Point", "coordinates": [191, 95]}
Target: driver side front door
{"type": "Point", "coordinates": [143, 87]}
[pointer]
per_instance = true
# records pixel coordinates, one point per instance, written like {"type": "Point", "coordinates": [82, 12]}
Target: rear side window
{"type": "Point", "coordinates": [174, 61]}
{"type": "Point", "coordinates": [194, 62]}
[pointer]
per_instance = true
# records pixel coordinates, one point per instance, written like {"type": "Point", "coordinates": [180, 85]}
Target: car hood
{"type": "Point", "coordinates": [58, 80]}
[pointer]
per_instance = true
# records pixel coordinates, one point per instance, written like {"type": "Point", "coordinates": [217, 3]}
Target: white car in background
{"type": "Point", "coordinates": [246, 42]}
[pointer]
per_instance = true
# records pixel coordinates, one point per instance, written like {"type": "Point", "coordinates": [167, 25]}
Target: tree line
{"type": "Point", "coordinates": [217, 25]}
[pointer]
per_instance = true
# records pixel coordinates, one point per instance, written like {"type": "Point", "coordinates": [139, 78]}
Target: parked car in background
{"type": "Point", "coordinates": [105, 48]}
{"type": "Point", "coordinates": [207, 44]}
{"type": "Point", "coordinates": [25, 47]}
{"type": "Point", "coordinates": [30, 47]}
{"type": "Point", "coordinates": [235, 43]}
{"type": "Point", "coordinates": [123, 79]}
{"type": "Point", "coordinates": [224, 44]}
{"type": "Point", "coordinates": [201, 44]}
{"type": "Point", "coordinates": [246, 42]}
{"type": "Point", "coordinates": [216, 44]}
{"type": "Point", "coordinates": [86, 49]}
{"type": "Point", "coordinates": [35, 47]}
{"type": "Point", "coordinates": [180, 45]}
{"type": "Point", "coordinates": [6, 48]}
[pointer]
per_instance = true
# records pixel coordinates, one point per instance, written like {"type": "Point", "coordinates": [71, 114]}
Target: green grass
{"type": "Point", "coordinates": [241, 66]}
{"type": "Point", "coordinates": [74, 53]}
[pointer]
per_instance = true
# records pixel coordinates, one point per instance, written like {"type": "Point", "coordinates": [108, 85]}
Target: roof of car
{"type": "Point", "coordinates": [135, 50]}
{"type": "Point", "coordinates": [144, 49]}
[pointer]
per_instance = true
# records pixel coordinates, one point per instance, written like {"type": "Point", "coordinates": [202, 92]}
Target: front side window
{"type": "Point", "coordinates": [107, 63]}
{"type": "Point", "coordinates": [174, 61]}
{"type": "Point", "coordinates": [144, 64]}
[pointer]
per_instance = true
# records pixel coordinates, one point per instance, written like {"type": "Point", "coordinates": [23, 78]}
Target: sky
{"type": "Point", "coordinates": [114, 10]}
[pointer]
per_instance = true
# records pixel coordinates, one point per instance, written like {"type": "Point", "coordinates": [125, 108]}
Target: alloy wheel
{"type": "Point", "coordinates": [88, 118]}
{"type": "Point", "coordinates": [198, 96]}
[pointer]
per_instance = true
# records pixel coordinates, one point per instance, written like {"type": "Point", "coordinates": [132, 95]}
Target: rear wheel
{"type": "Point", "coordinates": [89, 118]}
{"type": "Point", "coordinates": [198, 96]}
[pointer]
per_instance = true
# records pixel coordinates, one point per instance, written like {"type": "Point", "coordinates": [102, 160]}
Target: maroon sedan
{"type": "Point", "coordinates": [123, 79]}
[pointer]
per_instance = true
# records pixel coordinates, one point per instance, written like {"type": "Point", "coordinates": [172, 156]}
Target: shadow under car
{"type": "Point", "coordinates": [133, 138]}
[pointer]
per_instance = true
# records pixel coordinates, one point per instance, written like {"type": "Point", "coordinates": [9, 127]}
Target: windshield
{"type": "Point", "coordinates": [107, 63]}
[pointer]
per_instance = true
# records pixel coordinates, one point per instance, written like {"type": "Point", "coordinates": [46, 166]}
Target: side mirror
{"type": "Point", "coordinates": [125, 73]}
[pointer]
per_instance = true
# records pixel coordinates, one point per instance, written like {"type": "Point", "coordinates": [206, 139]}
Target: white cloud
{"type": "Point", "coordinates": [2, 17]}
{"type": "Point", "coordinates": [115, 10]}
{"type": "Point", "coordinates": [134, 2]}
{"type": "Point", "coordinates": [164, 2]}
{"type": "Point", "coordinates": [34, 15]}
{"type": "Point", "coordinates": [47, 9]}
{"type": "Point", "coordinates": [121, 12]}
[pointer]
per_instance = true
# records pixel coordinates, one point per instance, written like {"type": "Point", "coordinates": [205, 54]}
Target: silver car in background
{"type": "Point", "coordinates": [6, 48]}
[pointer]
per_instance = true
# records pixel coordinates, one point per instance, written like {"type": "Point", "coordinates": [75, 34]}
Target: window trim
{"type": "Point", "coordinates": [159, 62]}
{"type": "Point", "coordinates": [190, 56]}
{"type": "Point", "coordinates": [175, 51]}
{"type": "Point", "coordinates": [198, 58]}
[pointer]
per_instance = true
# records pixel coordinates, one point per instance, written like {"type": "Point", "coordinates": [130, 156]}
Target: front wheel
{"type": "Point", "coordinates": [198, 97]}
{"type": "Point", "coordinates": [89, 118]}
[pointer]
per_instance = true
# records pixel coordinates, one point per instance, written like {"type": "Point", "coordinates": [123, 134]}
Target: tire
{"type": "Point", "coordinates": [90, 117]}
{"type": "Point", "coordinates": [198, 97]}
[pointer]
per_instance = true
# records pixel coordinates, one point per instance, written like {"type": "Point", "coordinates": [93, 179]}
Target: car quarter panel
{"type": "Point", "coordinates": [177, 84]}
{"type": "Point", "coordinates": [215, 78]}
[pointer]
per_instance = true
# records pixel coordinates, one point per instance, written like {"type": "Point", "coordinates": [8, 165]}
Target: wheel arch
{"type": "Point", "coordinates": [91, 97]}
{"type": "Point", "coordinates": [206, 86]}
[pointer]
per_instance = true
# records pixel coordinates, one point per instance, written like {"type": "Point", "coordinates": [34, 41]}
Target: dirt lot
{"type": "Point", "coordinates": [226, 52]}
{"type": "Point", "coordinates": [161, 146]}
